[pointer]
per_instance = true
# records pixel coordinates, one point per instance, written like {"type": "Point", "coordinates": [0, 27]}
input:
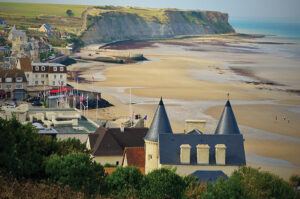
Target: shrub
{"type": "Point", "coordinates": [124, 182]}
{"type": "Point", "coordinates": [163, 183]}
{"type": "Point", "coordinates": [76, 170]}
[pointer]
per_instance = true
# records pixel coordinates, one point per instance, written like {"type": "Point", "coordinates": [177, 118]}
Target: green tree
{"type": "Point", "coordinates": [163, 183]}
{"type": "Point", "coordinates": [76, 170]}
{"type": "Point", "coordinates": [124, 182]}
{"type": "Point", "coordinates": [70, 13]}
{"type": "Point", "coordinates": [248, 182]}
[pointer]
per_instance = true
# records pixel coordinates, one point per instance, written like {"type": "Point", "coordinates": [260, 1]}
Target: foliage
{"type": "Point", "coordinates": [248, 182]}
{"type": "Point", "coordinates": [124, 181]}
{"type": "Point", "coordinates": [295, 181]}
{"type": "Point", "coordinates": [23, 152]}
{"type": "Point", "coordinates": [69, 13]}
{"type": "Point", "coordinates": [110, 165]}
{"type": "Point", "coordinates": [25, 189]}
{"type": "Point", "coordinates": [194, 188]}
{"type": "Point", "coordinates": [163, 183]}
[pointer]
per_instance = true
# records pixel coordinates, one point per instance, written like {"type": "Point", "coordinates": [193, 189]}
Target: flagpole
{"type": "Point", "coordinates": [97, 108]}
{"type": "Point", "coordinates": [87, 105]}
{"type": "Point", "coordinates": [130, 108]}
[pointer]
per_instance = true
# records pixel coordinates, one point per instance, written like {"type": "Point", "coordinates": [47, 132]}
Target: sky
{"type": "Point", "coordinates": [267, 9]}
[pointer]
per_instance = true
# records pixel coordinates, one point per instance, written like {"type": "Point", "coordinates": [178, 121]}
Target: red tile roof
{"type": "Point", "coordinates": [109, 170]}
{"type": "Point", "coordinates": [135, 156]}
{"type": "Point", "coordinates": [25, 64]}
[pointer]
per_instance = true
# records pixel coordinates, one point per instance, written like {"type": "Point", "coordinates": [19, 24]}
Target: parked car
{"type": "Point", "coordinates": [33, 99]}
{"type": "Point", "coordinates": [37, 103]}
{"type": "Point", "coordinates": [11, 104]}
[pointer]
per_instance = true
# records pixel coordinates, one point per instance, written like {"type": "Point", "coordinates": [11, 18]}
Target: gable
{"type": "Point", "coordinates": [169, 148]}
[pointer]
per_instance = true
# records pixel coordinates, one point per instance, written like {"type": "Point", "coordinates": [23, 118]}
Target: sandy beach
{"type": "Point", "coordinates": [194, 76]}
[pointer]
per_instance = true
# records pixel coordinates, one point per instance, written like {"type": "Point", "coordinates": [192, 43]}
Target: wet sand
{"type": "Point", "coordinates": [195, 84]}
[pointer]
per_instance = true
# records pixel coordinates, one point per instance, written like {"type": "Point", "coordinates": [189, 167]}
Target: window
{"type": "Point", "coordinates": [54, 76]}
{"type": "Point", "coordinates": [53, 83]}
{"type": "Point", "coordinates": [8, 87]}
{"type": "Point", "coordinates": [61, 76]}
{"type": "Point", "coordinates": [19, 86]}
{"type": "Point", "coordinates": [36, 82]}
{"type": "Point", "coordinates": [42, 75]}
{"type": "Point", "coordinates": [43, 68]}
{"type": "Point", "coordinates": [19, 79]}
{"type": "Point", "coordinates": [62, 83]}
{"type": "Point", "coordinates": [43, 82]}
{"type": "Point", "coordinates": [46, 75]}
{"type": "Point", "coordinates": [36, 68]}
{"type": "Point", "coordinates": [117, 163]}
{"type": "Point", "coordinates": [27, 75]}
{"type": "Point", "coordinates": [149, 157]}
{"type": "Point", "coordinates": [36, 76]}
{"type": "Point", "coordinates": [54, 68]}
{"type": "Point", "coordinates": [0, 86]}
{"type": "Point", "coordinates": [61, 68]}
{"type": "Point", "coordinates": [8, 79]}
{"type": "Point", "coordinates": [0, 79]}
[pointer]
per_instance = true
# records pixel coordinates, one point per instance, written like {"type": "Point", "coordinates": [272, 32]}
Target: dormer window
{"type": "Point", "coordinates": [61, 69]}
{"type": "Point", "coordinates": [19, 79]}
{"type": "Point", "coordinates": [54, 68]}
{"type": "Point", "coordinates": [0, 79]}
{"type": "Point", "coordinates": [36, 68]}
{"type": "Point", "coordinates": [8, 79]}
{"type": "Point", "coordinates": [43, 68]}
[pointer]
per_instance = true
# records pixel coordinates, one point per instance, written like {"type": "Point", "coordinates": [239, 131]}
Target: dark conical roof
{"type": "Point", "coordinates": [227, 123]}
{"type": "Point", "coordinates": [160, 123]}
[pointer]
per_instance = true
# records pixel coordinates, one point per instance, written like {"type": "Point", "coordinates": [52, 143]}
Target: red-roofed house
{"type": "Point", "coordinates": [134, 156]}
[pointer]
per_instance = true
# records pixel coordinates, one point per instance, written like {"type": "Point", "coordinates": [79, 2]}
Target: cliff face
{"type": "Point", "coordinates": [117, 25]}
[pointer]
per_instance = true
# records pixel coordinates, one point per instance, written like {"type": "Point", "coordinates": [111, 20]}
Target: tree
{"type": "Point", "coordinates": [76, 170]}
{"type": "Point", "coordinates": [248, 182]}
{"type": "Point", "coordinates": [163, 183]}
{"type": "Point", "coordinates": [70, 13]}
{"type": "Point", "coordinates": [124, 182]}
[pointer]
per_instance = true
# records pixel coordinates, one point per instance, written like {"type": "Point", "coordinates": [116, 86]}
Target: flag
{"type": "Point", "coordinates": [93, 78]}
{"type": "Point", "coordinates": [97, 97]}
{"type": "Point", "coordinates": [146, 117]}
{"type": "Point", "coordinates": [74, 99]}
{"type": "Point", "coordinates": [87, 97]}
{"type": "Point", "coordinates": [81, 97]}
{"type": "Point", "coordinates": [133, 114]}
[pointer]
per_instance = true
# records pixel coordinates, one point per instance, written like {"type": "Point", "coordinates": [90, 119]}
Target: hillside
{"type": "Point", "coordinates": [33, 15]}
{"type": "Point", "coordinates": [110, 23]}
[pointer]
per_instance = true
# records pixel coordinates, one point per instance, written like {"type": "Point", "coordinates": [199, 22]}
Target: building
{"type": "Point", "coordinates": [12, 84]}
{"type": "Point", "coordinates": [108, 145]}
{"type": "Point", "coordinates": [134, 156]}
{"type": "Point", "coordinates": [43, 74]}
{"type": "Point", "coordinates": [2, 23]}
{"type": "Point", "coordinates": [221, 152]}
{"type": "Point", "coordinates": [46, 28]}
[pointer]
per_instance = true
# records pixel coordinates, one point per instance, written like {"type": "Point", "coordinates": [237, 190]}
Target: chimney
{"type": "Point", "coordinates": [195, 124]}
{"type": "Point", "coordinates": [122, 128]}
{"type": "Point", "coordinates": [220, 154]}
{"type": "Point", "coordinates": [202, 154]}
{"type": "Point", "coordinates": [185, 153]}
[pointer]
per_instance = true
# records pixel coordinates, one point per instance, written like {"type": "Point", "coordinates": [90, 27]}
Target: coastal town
{"type": "Point", "coordinates": [108, 106]}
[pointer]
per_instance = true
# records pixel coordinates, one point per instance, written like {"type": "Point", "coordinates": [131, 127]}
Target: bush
{"type": "Point", "coordinates": [248, 182]}
{"type": "Point", "coordinates": [76, 170]}
{"type": "Point", "coordinates": [163, 183]}
{"type": "Point", "coordinates": [124, 182]}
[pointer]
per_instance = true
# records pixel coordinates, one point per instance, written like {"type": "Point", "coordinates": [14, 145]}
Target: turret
{"type": "Point", "coordinates": [227, 123]}
{"type": "Point", "coordinates": [160, 124]}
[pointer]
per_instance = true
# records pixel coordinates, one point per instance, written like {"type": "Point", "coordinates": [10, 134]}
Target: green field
{"type": "Point", "coordinates": [32, 15]}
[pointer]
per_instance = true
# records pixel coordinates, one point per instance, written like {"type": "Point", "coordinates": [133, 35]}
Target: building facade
{"type": "Point", "coordinates": [12, 84]}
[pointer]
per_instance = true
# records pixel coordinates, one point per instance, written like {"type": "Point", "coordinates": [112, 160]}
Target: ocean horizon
{"type": "Point", "coordinates": [281, 28]}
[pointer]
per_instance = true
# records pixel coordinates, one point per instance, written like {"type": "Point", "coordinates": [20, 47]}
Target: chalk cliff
{"type": "Point", "coordinates": [117, 23]}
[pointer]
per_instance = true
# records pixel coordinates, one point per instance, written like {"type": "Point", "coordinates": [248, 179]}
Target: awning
{"type": "Point", "coordinates": [60, 90]}
{"type": "Point", "coordinates": [2, 93]}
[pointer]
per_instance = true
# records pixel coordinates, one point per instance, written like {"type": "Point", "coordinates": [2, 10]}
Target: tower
{"type": "Point", "coordinates": [160, 124]}
{"type": "Point", "coordinates": [227, 123]}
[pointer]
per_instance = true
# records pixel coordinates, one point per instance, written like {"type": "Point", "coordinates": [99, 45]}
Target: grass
{"type": "Point", "coordinates": [33, 15]}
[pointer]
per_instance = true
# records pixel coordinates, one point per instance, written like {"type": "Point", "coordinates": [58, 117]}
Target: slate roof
{"type": "Point", "coordinates": [227, 123]}
{"type": "Point", "coordinates": [112, 142]}
{"type": "Point", "coordinates": [160, 123]}
{"type": "Point", "coordinates": [135, 156]}
{"type": "Point", "coordinates": [169, 148]}
{"type": "Point", "coordinates": [195, 132]}
{"type": "Point", "coordinates": [205, 176]}
{"type": "Point", "coordinates": [13, 73]}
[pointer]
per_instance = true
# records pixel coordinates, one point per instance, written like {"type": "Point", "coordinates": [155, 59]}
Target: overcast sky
{"type": "Point", "coordinates": [235, 8]}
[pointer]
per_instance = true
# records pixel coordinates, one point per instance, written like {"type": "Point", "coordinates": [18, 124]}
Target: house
{"type": "Point", "coordinates": [2, 23]}
{"type": "Point", "coordinates": [4, 50]}
{"type": "Point", "coordinates": [65, 35]}
{"type": "Point", "coordinates": [12, 84]}
{"type": "Point", "coordinates": [194, 151]}
{"type": "Point", "coordinates": [46, 28]}
{"type": "Point", "coordinates": [108, 145]}
{"type": "Point", "coordinates": [134, 156]}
